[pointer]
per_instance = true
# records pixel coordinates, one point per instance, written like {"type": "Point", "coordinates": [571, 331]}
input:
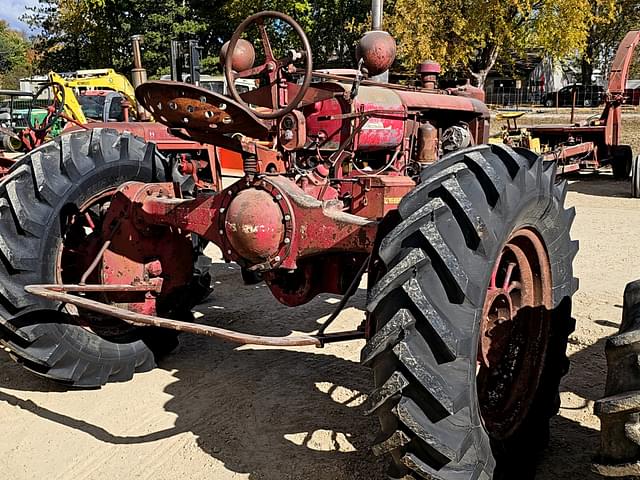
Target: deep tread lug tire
{"type": "Point", "coordinates": [67, 170]}
{"type": "Point", "coordinates": [427, 288]}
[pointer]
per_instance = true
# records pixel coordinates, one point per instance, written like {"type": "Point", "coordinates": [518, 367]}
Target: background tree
{"type": "Point", "coordinates": [467, 34]}
{"type": "Point", "coordinates": [74, 34]}
{"type": "Point", "coordinates": [15, 56]}
{"type": "Point", "coordinates": [610, 22]}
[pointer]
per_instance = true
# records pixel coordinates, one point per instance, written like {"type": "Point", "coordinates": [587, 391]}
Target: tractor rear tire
{"type": "Point", "coordinates": [47, 182]}
{"type": "Point", "coordinates": [622, 158]}
{"type": "Point", "coordinates": [465, 387]}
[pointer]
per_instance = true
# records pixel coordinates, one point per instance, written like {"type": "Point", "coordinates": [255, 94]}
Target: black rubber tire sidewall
{"type": "Point", "coordinates": [44, 338]}
{"type": "Point", "coordinates": [531, 199]}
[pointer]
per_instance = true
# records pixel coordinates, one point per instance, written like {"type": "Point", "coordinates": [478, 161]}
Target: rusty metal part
{"type": "Point", "coordinates": [58, 292]}
{"type": "Point", "coordinates": [377, 49]}
{"type": "Point", "coordinates": [292, 131]}
{"type": "Point", "coordinates": [140, 319]}
{"type": "Point", "coordinates": [428, 72]}
{"type": "Point", "coordinates": [514, 332]}
{"type": "Point", "coordinates": [428, 143]}
{"type": "Point", "coordinates": [95, 262]}
{"type": "Point", "coordinates": [151, 286]}
{"type": "Point", "coordinates": [138, 74]}
{"type": "Point", "coordinates": [311, 226]}
{"type": "Point", "coordinates": [205, 114]}
{"type": "Point", "coordinates": [622, 62]}
{"type": "Point", "coordinates": [345, 298]}
{"type": "Point", "coordinates": [244, 55]}
{"type": "Point", "coordinates": [430, 67]}
{"type": "Point", "coordinates": [254, 225]}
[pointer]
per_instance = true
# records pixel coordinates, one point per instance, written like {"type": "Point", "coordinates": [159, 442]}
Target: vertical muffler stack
{"type": "Point", "coordinates": [138, 74]}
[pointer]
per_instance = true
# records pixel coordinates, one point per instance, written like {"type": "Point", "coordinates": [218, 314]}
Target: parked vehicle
{"type": "Point", "coordinates": [586, 96]}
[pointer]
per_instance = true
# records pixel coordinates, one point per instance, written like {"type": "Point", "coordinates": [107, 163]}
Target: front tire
{"type": "Point", "coordinates": [73, 173]}
{"type": "Point", "coordinates": [458, 398]}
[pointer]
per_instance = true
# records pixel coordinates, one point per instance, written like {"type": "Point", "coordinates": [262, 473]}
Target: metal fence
{"type": "Point", "coordinates": [513, 96]}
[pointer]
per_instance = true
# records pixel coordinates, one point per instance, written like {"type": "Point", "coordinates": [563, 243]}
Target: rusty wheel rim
{"type": "Point", "coordinates": [514, 333]}
{"type": "Point", "coordinates": [81, 241]}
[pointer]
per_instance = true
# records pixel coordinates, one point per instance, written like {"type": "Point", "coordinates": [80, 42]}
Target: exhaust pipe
{"type": "Point", "coordinates": [138, 74]}
{"type": "Point", "coordinates": [376, 15]}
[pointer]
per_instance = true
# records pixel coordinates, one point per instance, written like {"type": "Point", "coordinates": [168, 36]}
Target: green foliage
{"type": "Point", "coordinates": [611, 21]}
{"type": "Point", "coordinates": [14, 56]}
{"type": "Point", "coordinates": [467, 34]}
{"type": "Point", "coordinates": [333, 26]}
{"type": "Point", "coordinates": [463, 35]}
{"type": "Point", "coordinates": [76, 34]}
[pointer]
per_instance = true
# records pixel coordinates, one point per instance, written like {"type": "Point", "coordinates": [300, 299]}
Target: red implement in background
{"type": "Point", "coordinates": [595, 142]}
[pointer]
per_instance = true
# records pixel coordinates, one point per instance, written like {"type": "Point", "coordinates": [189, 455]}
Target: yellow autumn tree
{"type": "Point", "coordinates": [471, 34]}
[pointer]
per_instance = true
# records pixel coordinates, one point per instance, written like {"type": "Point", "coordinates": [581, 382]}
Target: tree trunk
{"type": "Point", "coordinates": [587, 60]}
{"type": "Point", "coordinates": [484, 62]}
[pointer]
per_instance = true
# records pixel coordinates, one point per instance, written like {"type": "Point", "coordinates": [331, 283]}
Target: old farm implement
{"type": "Point", "coordinates": [592, 143]}
{"type": "Point", "coordinates": [468, 254]}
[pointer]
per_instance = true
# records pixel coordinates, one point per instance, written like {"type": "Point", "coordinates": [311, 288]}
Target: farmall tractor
{"type": "Point", "coordinates": [468, 254]}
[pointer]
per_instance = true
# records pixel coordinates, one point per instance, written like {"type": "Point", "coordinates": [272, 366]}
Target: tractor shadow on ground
{"type": "Point", "coordinates": [297, 414]}
{"type": "Point", "coordinates": [270, 413]}
{"type": "Point", "coordinates": [274, 413]}
{"type": "Point", "coordinates": [573, 445]}
{"type": "Point", "coordinates": [599, 185]}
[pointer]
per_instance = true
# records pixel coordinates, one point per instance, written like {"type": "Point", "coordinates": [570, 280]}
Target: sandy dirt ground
{"type": "Point", "coordinates": [214, 411]}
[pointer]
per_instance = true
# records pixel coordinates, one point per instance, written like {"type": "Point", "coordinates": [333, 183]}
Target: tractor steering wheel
{"type": "Point", "coordinates": [54, 111]}
{"type": "Point", "coordinates": [275, 68]}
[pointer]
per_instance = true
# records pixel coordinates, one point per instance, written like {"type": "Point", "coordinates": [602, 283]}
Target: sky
{"type": "Point", "coordinates": [11, 11]}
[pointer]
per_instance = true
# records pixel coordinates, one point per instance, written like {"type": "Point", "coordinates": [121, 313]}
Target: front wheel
{"type": "Point", "coordinates": [469, 315]}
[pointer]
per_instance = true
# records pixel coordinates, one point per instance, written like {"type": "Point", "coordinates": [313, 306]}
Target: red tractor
{"type": "Point", "coordinates": [466, 246]}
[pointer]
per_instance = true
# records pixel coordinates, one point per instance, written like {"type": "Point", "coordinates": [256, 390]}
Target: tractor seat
{"type": "Point", "coordinates": [201, 113]}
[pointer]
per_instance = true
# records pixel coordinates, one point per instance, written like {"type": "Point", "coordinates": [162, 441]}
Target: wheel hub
{"type": "Point", "coordinates": [497, 326]}
{"type": "Point", "coordinates": [514, 332]}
